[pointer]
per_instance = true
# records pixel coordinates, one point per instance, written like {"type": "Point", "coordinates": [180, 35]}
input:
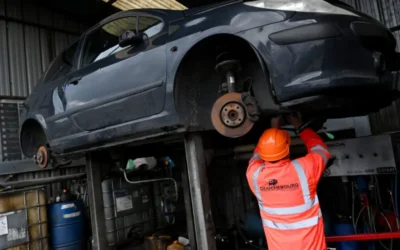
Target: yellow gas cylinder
{"type": "Point", "coordinates": [175, 246]}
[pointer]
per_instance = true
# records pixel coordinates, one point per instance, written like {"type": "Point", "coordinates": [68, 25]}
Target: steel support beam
{"type": "Point", "coordinates": [93, 172]}
{"type": "Point", "coordinates": [27, 165]}
{"type": "Point", "coordinates": [201, 205]}
{"type": "Point", "coordinates": [188, 206]}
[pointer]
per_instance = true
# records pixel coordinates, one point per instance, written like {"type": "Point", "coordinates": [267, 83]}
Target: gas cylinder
{"type": "Point", "coordinates": [176, 246]}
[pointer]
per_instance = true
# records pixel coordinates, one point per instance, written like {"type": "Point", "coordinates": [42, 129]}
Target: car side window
{"type": "Point", "coordinates": [62, 65]}
{"type": "Point", "coordinates": [104, 41]}
{"type": "Point", "coordinates": [150, 26]}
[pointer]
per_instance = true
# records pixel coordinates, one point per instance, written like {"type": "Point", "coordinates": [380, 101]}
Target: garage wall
{"type": "Point", "coordinates": [388, 12]}
{"type": "Point", "coordinates": [30, 37]}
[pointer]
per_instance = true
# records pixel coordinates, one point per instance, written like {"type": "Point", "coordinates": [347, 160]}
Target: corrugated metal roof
{"type": "Point", "coordinates": [147, 4]}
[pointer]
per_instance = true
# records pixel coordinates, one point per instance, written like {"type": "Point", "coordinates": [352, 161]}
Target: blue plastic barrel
{"type": "Point", "coordinates": [67, 226]}
{"type": "Point", "coordinates": [346, 229]}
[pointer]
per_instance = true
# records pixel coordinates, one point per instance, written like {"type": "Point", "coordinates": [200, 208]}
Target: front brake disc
{"type": "Point", "coordinates": [229, 116]}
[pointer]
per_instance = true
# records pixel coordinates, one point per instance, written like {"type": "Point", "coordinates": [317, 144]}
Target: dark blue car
{"type": "Point", "coordinates": [146, 73]}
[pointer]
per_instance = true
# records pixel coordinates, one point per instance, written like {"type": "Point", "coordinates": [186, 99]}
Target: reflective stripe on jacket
{"type": "Point", "coordinates": [286, 193]}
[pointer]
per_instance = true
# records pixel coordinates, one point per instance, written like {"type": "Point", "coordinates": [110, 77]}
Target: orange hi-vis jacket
{"type": "Point", "coordinates": [287, 195]}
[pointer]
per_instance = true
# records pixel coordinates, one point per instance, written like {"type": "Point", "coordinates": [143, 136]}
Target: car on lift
{"type": "Point", "coordinates": [149, 72]}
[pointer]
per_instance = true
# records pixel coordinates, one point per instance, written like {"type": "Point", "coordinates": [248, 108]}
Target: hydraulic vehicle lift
{"type": "Point", "coordinates": [196, 194]}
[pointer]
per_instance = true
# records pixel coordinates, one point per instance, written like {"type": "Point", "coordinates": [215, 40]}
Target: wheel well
{"type": "Point", "coordinates": [32, 136]}
{"type": "Point", "coordinates": [197, 84]}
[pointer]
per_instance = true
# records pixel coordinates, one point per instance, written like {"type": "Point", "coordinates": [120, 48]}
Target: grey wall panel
{"type": "Point", "coordinates": [30, 13]}
{"type": "Point", "coordinates": [59, 21]}
{"type": "Point", "coordinates": [4, 65]}
{"type": "Point", "coordinates": [397, 36]}
{"type": "Point", "coordinates": [60, 42]}
{"type": "Point", "coordinates": [386, 11]}
{"type": "Point", "coordinates": [33, 56]}
{"type": "Point", "coordinates": [17, 59]}
{"type": "Point", "coordinates": [46, 49]}
{"type": "Point", "coordinates": [2, 8]}
{"type": "Point", "coordinates": [14, 8]}
{"type": "Point", "coordinates": [45, 17]}
{"type": "Point", "coordinates": [391, 12]}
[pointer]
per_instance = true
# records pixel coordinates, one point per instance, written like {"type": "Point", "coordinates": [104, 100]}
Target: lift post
{"type": "Point", "coordinates": [199, 192]}
{"type": "Point", "coordinates": [93, 167]}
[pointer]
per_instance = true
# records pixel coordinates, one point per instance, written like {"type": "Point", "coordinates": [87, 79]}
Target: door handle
{"type": "Point", "coordinates": [75, 80]}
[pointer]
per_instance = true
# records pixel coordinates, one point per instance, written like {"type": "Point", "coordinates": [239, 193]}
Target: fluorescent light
{"type": "Point", "coordinates": [147, 4]}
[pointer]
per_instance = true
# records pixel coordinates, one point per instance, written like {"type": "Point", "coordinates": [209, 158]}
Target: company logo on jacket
{"type": "Point", "coordinates": [272, 186]}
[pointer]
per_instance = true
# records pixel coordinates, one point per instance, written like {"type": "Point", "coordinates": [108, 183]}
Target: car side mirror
{"type": "Point", "coordinates": [130, 37]}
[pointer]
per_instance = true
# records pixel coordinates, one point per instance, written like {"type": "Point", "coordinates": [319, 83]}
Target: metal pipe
{"type": "Point", "coordinates": [41, 181]}
{"type": "Point", "coordinates": [94, 180]}
{"type": "Point", "coordinates": [153, 180]}
{"type": "Point", "coordinates": [188, 206]}
{"type": "Point", "coordinates": [201, 204]}
{"type": "Point", "coordinates": [25, 166]}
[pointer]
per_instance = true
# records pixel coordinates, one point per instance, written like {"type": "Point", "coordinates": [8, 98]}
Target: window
{"type": "Point", "coordinates": [150, 26]}
{"type": "Point", "coordinates": [103, 42]}
{"type": "Point", "coordinates": [62, 65]}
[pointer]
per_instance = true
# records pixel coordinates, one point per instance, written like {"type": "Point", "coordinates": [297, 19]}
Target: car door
{"type": "Point", "coordinates": [115, 84]}
{"type": "Point", "coordinates": [45, 102]}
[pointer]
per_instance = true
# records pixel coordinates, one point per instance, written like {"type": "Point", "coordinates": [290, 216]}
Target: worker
{"type": "Point", "coordinates": [286, 189]}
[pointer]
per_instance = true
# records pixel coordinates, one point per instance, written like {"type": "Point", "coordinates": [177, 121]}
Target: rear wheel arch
{"type": "Point", "coordinates": [32, 136]}
{"type": "Point", "coordinates": [196, 83]}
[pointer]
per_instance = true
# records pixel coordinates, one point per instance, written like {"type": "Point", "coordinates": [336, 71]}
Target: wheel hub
{"type": "Point", "coordinates": [233, 114]}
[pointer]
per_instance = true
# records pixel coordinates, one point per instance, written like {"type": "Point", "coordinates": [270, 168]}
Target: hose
{"type": "Point", "coordinates": [389, 226]}
{"type": "Point", "coordinates": [358, 217]}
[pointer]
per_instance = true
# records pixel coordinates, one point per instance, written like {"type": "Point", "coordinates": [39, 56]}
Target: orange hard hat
{"type": "Point", "coordinates": [274, 144]}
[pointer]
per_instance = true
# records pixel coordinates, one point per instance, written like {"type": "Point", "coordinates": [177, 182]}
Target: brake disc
{"type": "Point", "coordinates": [42, 157]}
{"type": "Point", "coordinates": [229, 116]}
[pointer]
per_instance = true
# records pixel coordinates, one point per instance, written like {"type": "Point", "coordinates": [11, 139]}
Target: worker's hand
{"type": "Point", "coordinates": [276, 122]}
{"type": "Point", "coordinates": [295, 120]}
